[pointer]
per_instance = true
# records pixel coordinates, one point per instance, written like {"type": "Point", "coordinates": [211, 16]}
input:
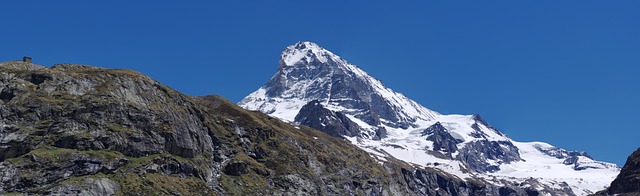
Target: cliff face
{"type": "Point", "coordinates": [628, 181]}
{"type": "Point", "coordinates": [73, 129]}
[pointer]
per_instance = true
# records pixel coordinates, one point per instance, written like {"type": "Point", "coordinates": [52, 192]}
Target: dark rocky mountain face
{"type": "Point", "coordinates": [333, 123]}
{"type": "Point", "coordinates": [336, 124]}
{"type": "Point", "coordinates": [476, 155]}
{"type": "Point", "coordinates": [628, 181]}
{"type": "Point", "coordinates": [442, 140]}
{"type": "Point", "coordinates": [79, 130]}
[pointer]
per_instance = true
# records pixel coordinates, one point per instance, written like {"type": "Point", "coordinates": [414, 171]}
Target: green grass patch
{"type": "Point", "coordinates": [13, 194]}
{"type": "Point", "coordinates": [248, 184]}
{"type": "Point", "coordinates": [158, 184]}
{"type": "Point", "coordinates": [119, 128]}
{"type": "Point", "coordinates": [56, 155]}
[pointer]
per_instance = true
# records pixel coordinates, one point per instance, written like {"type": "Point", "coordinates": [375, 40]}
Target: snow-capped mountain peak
{"type": "Point", "coordinates": [308, 72]}
{"type": "Point", "coordinates": [317, 88]}
{"type": "Point", "coordinates": [305, 52]}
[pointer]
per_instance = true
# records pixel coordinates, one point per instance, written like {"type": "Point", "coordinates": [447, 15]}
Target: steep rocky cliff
{"type": "Point", "coordinates": [73, 129]}
{"type": "Point", "coordinates": [628, 181]}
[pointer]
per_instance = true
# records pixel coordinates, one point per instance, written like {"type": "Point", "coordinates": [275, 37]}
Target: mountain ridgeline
{"type": "Point", "coordinates": [317, 88]}
{"type": "Point", "coordinates": [81, 130]}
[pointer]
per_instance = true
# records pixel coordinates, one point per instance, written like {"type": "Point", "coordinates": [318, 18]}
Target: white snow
{"type": "Point", "coordinates": [291, 55]}
{"type": "Point", "coordinates": [552, 170]}
{"type": "Point", "coordinates": [285, 109]}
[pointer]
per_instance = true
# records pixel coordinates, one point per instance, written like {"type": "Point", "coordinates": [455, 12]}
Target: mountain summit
{"type": "Point", "coordinates": [308, 72]}
{"type": "Point", "coordinates": [307, 52]}
{"type": "Point", "coordinates": [316, 88]}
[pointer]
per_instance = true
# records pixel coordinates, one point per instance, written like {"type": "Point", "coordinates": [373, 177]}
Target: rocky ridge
{"type": "Point", "coordinates": [81, 130]}
{"type": "Point", "coordinates": [627, 183]}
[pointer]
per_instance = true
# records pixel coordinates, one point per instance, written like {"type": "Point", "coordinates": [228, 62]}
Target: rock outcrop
{"type": "Point", "coordinates": [443, 142]}
{"type": "Point", "coordinates": [628, 181]}
{"type": "Point", "coordinates": [336, 124]}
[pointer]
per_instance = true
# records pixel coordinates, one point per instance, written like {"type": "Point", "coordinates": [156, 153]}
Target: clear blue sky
{"type": "Point", "coordinates": [563, 72]}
